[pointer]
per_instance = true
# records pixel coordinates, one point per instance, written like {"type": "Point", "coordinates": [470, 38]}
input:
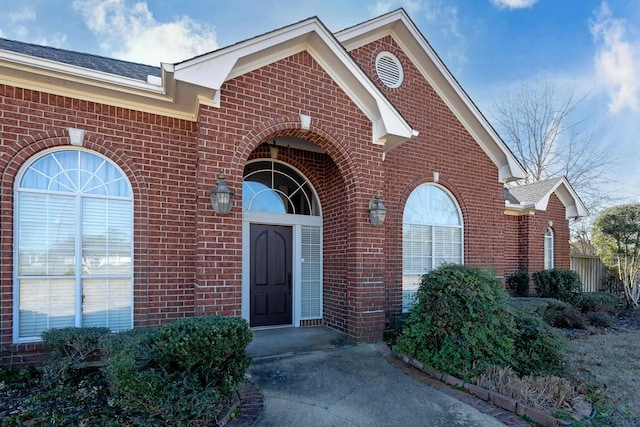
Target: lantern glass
{"type": "Point", "coordinates": [221, 197]}
{"type": "Point", "coordinates": [377, 211]}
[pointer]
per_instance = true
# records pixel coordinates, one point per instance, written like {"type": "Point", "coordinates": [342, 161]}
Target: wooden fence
{"type": "Point", "coordinates": [592, 271]}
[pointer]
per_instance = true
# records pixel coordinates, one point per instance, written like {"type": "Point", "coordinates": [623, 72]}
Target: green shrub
{"type": "Point", "coordinates": [518, 282]}
{"type": "Point", "coordinates": [554, 312]}
{"type": "Point", "coordinates": [111, 345]}
{"type": "Point", "coordinates": [564, 285]}
{"type": "Point", "coordinates": [460, 322]}
{"type": "Point", "coordinates": [564, 315]}
{"type": "Point", "coordinates": [212, 348]}
{"type": "Point", "coordinates": [69, 349]}
{"type": "Point", "coordinates": [599, 302]}
{"type": "Point", "coordinates": [536, 346]}
{"type": "Point", "coordinates": [152, 396]}
{"type": "Point", "coordinates": [183, 373]}
{"type": "Point", "coordinates": [600, 318]}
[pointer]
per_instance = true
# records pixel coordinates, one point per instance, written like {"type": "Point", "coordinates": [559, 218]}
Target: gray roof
{"type": "Point", "coordinates": [530, 193]}
{"type": "Point", "coordinates": [84, 60]}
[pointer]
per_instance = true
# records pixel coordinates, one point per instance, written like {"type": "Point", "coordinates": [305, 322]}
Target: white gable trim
{"type": "Point", "coordinates": [211, 70]}
{"type": "Point", "coordinates": [574, 208]}
{"type": "Point", "coordinates": [399, 26]}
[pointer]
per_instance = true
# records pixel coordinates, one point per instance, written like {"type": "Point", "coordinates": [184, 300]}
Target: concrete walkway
{"type": "Point", "coordinates": [313, 377]}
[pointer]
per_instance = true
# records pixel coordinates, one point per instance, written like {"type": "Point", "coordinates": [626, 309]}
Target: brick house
{"type": "Point", "coordinates": [107, 166]}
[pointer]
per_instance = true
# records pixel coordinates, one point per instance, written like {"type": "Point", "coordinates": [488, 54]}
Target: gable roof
{"type": "Point", "coordinates": [398, 25]}
{"type": "Point", "coordinates": [211, 70]}
{"type": "Point", "coordinates": [528, 198]}
{"type": "Point", "coordinates": [178, 89]}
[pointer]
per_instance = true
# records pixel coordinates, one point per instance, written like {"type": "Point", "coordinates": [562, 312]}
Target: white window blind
{"type": "Point", "coordinates": [74, 245]}
{"type": "Point", "coordinates": [311, 291]}
{"type": "Point", "coordinates": [548, 249]}
{"type": "Point", "coordinates": [432, 234]}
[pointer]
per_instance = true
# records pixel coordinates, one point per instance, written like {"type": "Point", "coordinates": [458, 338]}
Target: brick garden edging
{"type": "Point", "coordinates": [500, 400]}
{"type": "Point", "coordinates": [250, 405]}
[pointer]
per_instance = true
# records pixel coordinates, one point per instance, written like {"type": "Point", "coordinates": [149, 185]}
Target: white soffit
{"type": "Point", "coordinates": [399, 26]}
{"type": "Point", "coordinates": [569, 198]}
{"type": "Point", "coordinates": [211, 70]}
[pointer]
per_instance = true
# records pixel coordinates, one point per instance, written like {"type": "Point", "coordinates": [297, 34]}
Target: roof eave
{"type": "Point", "coordinates": [211, 70]}
{"type": "Point", "coordinates": [399, 26]}
{"type": "Point", "coordinates": [574, 208]}
{"type": "Point", "coordinates": [63, 79]}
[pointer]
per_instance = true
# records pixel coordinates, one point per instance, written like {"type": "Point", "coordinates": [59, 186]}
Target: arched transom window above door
{"type": "Point", "coordinates": [274, 187]}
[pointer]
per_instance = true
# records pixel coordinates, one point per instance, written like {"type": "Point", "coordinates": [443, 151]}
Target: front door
{"type": "Point", "coordinates": [270, 277]}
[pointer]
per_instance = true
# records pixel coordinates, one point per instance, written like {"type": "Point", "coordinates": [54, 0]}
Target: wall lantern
{"type": "Point", "coordinates": [377, 211]}
{"type": "Point", "coordinates": [221, 196]}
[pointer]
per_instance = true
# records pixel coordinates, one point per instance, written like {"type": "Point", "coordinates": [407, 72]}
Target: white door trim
{"type": "Point", "coordinates": [295, 221]}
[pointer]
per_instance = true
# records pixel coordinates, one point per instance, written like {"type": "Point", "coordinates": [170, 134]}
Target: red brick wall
{"type": "Point", "coordinates": [267, 103]}
{"type": "Point", "coordinates": [537, 226]}
{"type": "Point", "coordinates": [527, 232]}
{"type": "Point", "coordinates": [157, 155]}
{"type": "Point", "coordinates": [188, 259]}
{"type": "Point", "coordinates": [443, 146]}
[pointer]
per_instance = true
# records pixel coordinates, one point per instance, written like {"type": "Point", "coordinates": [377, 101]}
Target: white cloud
{"type": "Point", "coordinates": [129, 31]}
{"type": "Point", "coordinates": [383, 6]}
{"type": "Point", "coordinates": [513, 4]}
{"type": "Point", "coordinates": [442, 19]}
{"type": "Point", "coordinates": [18, 21]}
{"type": "Point", "coordinates": [58, 40]}
{"type": "Point", "coordinates": [442, 16]}
{"type": "Point", "coordinates": [26, 14]}
{"type": "Point", "coordinates": [617, 59]}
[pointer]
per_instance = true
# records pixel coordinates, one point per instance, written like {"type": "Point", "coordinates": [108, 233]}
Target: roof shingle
{"type": "Point", "coordinates": [530, 193]}
{"type": "Point", "coordinates": [92, 62]}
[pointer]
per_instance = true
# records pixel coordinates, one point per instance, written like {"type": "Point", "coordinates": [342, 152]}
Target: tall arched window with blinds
{"type": "Point", "coordinates": [73, 255]}
{"type": "Point", "coordinates": [548, 249]}
{"type": "Point", "coordinates": [432, 234]}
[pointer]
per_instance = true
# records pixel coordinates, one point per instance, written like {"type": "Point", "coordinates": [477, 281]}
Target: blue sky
{"type": "Point", "coordinates": [489, 45]}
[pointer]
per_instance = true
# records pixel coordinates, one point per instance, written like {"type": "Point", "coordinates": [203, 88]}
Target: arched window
{"type": "Point", "coordinates": [73, 253]}
{"type": "Point", "coordinates": [432, 233]}
{"type": "Point", "coordinates": [274, 187]}
{"type": "Point", "coordinates": [548, 249]}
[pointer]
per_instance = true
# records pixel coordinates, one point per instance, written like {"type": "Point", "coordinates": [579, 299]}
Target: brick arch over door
{"type": "Point", "coordinates": [290, 126]}
{"type": "Point", "coordinates": [331, 174]}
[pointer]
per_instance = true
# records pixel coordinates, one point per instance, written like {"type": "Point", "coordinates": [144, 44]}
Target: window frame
{"type": "Point", "coordinates": [78, 276]}
{"type": "Point", "coordinates": [549, 250]}
{"type": "Point", "coordinates": [434, 227]}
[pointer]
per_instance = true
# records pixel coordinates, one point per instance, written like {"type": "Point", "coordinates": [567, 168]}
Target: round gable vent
{"type": "Point", "coordinates": [389, 69]}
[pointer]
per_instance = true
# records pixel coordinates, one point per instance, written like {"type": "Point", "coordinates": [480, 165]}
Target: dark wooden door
{"type": "Point", "coordinates": [271, 259]}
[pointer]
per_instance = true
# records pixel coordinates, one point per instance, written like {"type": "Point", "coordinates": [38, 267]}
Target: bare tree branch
{"type": "Point", "coordinates": [542, 125]}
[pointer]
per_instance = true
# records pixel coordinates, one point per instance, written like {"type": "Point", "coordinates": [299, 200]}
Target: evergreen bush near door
{"type": "Point", "coordinates": [184, 373]}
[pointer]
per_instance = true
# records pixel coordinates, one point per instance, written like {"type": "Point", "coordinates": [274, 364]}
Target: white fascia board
{"type": "Point", "coordinates": [213, 69]}
{"type": "Point", "coordinates": [574, 208]}
{"type": "Point", "coordinates": [518, 210]}
{"type": "Point", "coordinates": [79, 72]}
{"type": "Point", "coordinates": [200, 71]}
{"type": "Point", "coordinates": [388, 125]}
{"type": "Point", "coordinates": [569, 198]}
{"type": "Point", "coordinates": [399, 26]}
